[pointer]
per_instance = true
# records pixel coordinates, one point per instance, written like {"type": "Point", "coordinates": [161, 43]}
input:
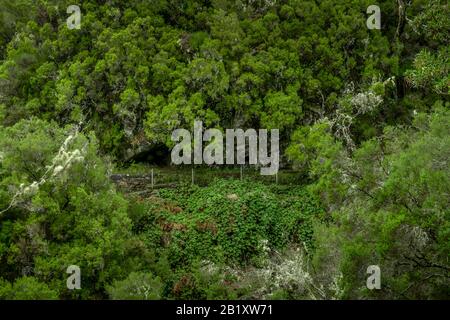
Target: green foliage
{"type": "Point", "coordinates": [26, 288]}
{"type": "Point", "coordinates": [433, 22]}
{"type": "Point", "coordinates": [135, 68]}
{"type": "Point", "coordinates": [431, 71]}
{"type": "Point", "coordinates": [137, 286]}
{"type": "Point", "coordinates": [239, 227]}
{"type": "Point", "coordinates": [318, 156]}
{"type": "Point", "coordinates": [396, 213]}
{"type": "Point", "coordinates": [72, 216]}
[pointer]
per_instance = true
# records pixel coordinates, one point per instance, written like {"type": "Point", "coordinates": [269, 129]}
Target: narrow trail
{"type": "Point", "coordinates": [142, 183]}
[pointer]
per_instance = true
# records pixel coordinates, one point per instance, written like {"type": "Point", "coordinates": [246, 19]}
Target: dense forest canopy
{"type": "Point", "coordinates": [364, 121]}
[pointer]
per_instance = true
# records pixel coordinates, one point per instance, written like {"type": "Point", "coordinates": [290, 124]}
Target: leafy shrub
{"type": "Point", "coordinates": [26, 288]}
{"type": "Point", "coordinates": [235, 221]}
{"type": "Point", "coordinates": [68, 212]}
{"type": "Point", "coordinates": [396, 215]}
{"type": "Point", "coordinates": [137, 286]}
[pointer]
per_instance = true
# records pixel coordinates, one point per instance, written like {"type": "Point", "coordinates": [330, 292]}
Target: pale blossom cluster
{"type": "Point", "coordinates": [64, 159]}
